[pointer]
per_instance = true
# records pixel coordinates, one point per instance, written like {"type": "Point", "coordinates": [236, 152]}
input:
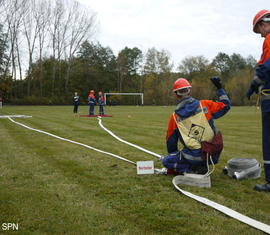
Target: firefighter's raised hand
{"type": "Point", "coordinates": [217, 82]}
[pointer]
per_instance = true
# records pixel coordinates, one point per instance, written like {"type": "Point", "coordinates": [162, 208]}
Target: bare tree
{"type": "Point", "coordinates": [42, 16]}
{"type": "Point", "coordinates": [13, 13]}
{"type": "Point", "coordinates": [71, 25]}
{"type": "Point", "coordinates": [32, 26]}
{"type": "Point", "coordinates": [30, 30]}
{"type": "Point", "coordinates": [82, 26]}
{"type": "Point", "coordinates": [19, 61]}
{"type": "Point", "coordinates": [56, 35]}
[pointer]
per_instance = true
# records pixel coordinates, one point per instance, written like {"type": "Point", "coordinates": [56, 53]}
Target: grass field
{"type": "Point", "coordinates": [48, 186]}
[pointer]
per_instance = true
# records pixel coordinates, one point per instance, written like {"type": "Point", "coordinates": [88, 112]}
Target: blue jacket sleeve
{"type": "Point", "coordinates": [172, 141]}
{"type": "Point", "coordinates": [223, 98]}
{"type": "Point", "coordinates": [263, 70]}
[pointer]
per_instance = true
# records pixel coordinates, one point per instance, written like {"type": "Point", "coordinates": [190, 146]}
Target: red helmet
{"type": "Point", "coordinates": [181, 83]}
{"type": "Point", "coordinates": [258, 17]}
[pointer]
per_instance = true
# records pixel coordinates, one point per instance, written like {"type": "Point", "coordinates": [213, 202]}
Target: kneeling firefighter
{"type": "Point", "coordinates": [193, 124]}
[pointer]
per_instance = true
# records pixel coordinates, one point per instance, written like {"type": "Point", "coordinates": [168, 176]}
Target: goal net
{"type": "Point", "coordinates": [123, 98]}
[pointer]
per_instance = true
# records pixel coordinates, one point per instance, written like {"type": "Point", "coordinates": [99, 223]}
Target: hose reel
{"type": "Point", "coordinates": [243, 168]}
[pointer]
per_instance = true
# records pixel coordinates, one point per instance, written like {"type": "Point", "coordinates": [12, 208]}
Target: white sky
{"type": "Point", "coordinates": [182, 27]}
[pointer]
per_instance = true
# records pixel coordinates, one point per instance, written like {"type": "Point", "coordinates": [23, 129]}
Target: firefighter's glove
{"type": "Point", "coordinates": [254, 87]}
{"type": "Point", "coordinates": [217, 82]}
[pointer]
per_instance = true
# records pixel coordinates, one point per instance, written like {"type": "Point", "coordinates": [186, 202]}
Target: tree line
{"type": "Point", "coordinates": [47, 52]}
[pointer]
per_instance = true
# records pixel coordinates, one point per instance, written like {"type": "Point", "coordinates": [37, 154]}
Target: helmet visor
{"type": "Point", "coordinates": [266, 19]}
{"type": "Point", "coordinates": [182, 92]}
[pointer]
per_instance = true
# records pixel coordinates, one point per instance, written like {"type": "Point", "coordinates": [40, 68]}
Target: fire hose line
{"type": "Point", "coordinates": [227, 211]}
{"type": "Point", "coordinates": [234, 214]}
{"type": "Point", "coordinates": [126, 142]}
{"type": "Point", "coordinates": [245, 219]}
{"type": "Point", "coordinates": [71, 141]}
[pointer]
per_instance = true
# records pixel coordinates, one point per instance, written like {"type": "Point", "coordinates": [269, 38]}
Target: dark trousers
{"type": "Point", "coordinates": [101, 110]}
{"type": "Point", "coordinates": [266, 144]}
{"type": "Point", "coordinates": [91, 109]}
{"type": "Point", "coordinates": [75, 110]}
{"type": "Point", "coordinates": [177, 163]}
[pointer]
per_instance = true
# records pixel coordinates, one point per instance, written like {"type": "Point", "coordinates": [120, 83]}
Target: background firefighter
{"type": "Point", "coordinates": [91, 102]}
{"type": "Point", "coordinates": [76, 102]}
{"type": "Point", "coordinates": [101, 103]}
{"type": "Point", "coordinates": [261, 84]}
{"type": "Point", "coordinates": [189, 109]}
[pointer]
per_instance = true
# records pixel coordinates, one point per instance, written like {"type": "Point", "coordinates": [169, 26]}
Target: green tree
{"type": "Point", "coordinates": [96, 67]}
{"type": "Point", "coordinates": [238, 85]}
{"type": "Point", "coordinates": [6, 88]}
{"type": "Point", "coordinates": [157, 62]}
{"type": "Point", "coordinates": [222, 65]}
{"type": "Point", "coordinates": [193, 64]}
{"type": "Point", "coordinates": [158, 77]}
{"type": "Point", "coordinates": [227, 65]}
{"type": "Point", "coordinates": [238, 63]}
{"type": "Point", "coordinates": [128, 66]}
{"type": "Point", "coordinates": [251, 62]}
{"type": "Point", "coordinates": [198, 70]}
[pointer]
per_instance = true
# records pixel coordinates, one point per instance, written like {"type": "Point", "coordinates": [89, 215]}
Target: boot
{"type": "Point", "coordinates": [262, 187]}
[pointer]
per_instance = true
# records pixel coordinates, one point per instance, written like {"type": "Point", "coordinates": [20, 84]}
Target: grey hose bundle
{"type": "Point", "coordinates": [242, 168]}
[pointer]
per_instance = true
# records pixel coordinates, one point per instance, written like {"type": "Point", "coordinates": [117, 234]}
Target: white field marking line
{"type": "Point", "coordinates": [15, 116]}
{"type": "Point", "coordinates": [126, 142]}
{"type": "Point", "coordinates": [71, 141]}
{"type": "Point", "coordinates": [234, 214]}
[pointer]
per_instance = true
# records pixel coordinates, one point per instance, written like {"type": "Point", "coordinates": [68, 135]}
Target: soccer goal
{"type": "Point", "coordinates": [128, 94]}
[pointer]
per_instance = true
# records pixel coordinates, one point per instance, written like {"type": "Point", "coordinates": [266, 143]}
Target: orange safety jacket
{"type": "Point", "coordinates": [266, 50]}
{"type": "Point", "coordinates": [212, 110]}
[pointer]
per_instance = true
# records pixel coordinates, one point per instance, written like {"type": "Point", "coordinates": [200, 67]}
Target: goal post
{"type": "Point", "coordinates": [107, 94]}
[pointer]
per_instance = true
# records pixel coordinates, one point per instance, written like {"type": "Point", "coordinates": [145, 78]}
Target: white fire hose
{"type": "Point", "coordinates": [73, 142]}
{"type": "Point", "coordinates": [126, 142]}
{"type": "Point", "coordinates": [245, 219]}
{"type": "Point", "coordinates": [234, 214]}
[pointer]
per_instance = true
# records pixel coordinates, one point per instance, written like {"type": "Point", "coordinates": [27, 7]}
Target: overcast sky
{"type": "Point", "coordinates": [182, 27]}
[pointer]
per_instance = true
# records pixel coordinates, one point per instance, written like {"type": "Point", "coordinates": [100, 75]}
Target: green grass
{"type": "Point", "coordinates": [48, 186]}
